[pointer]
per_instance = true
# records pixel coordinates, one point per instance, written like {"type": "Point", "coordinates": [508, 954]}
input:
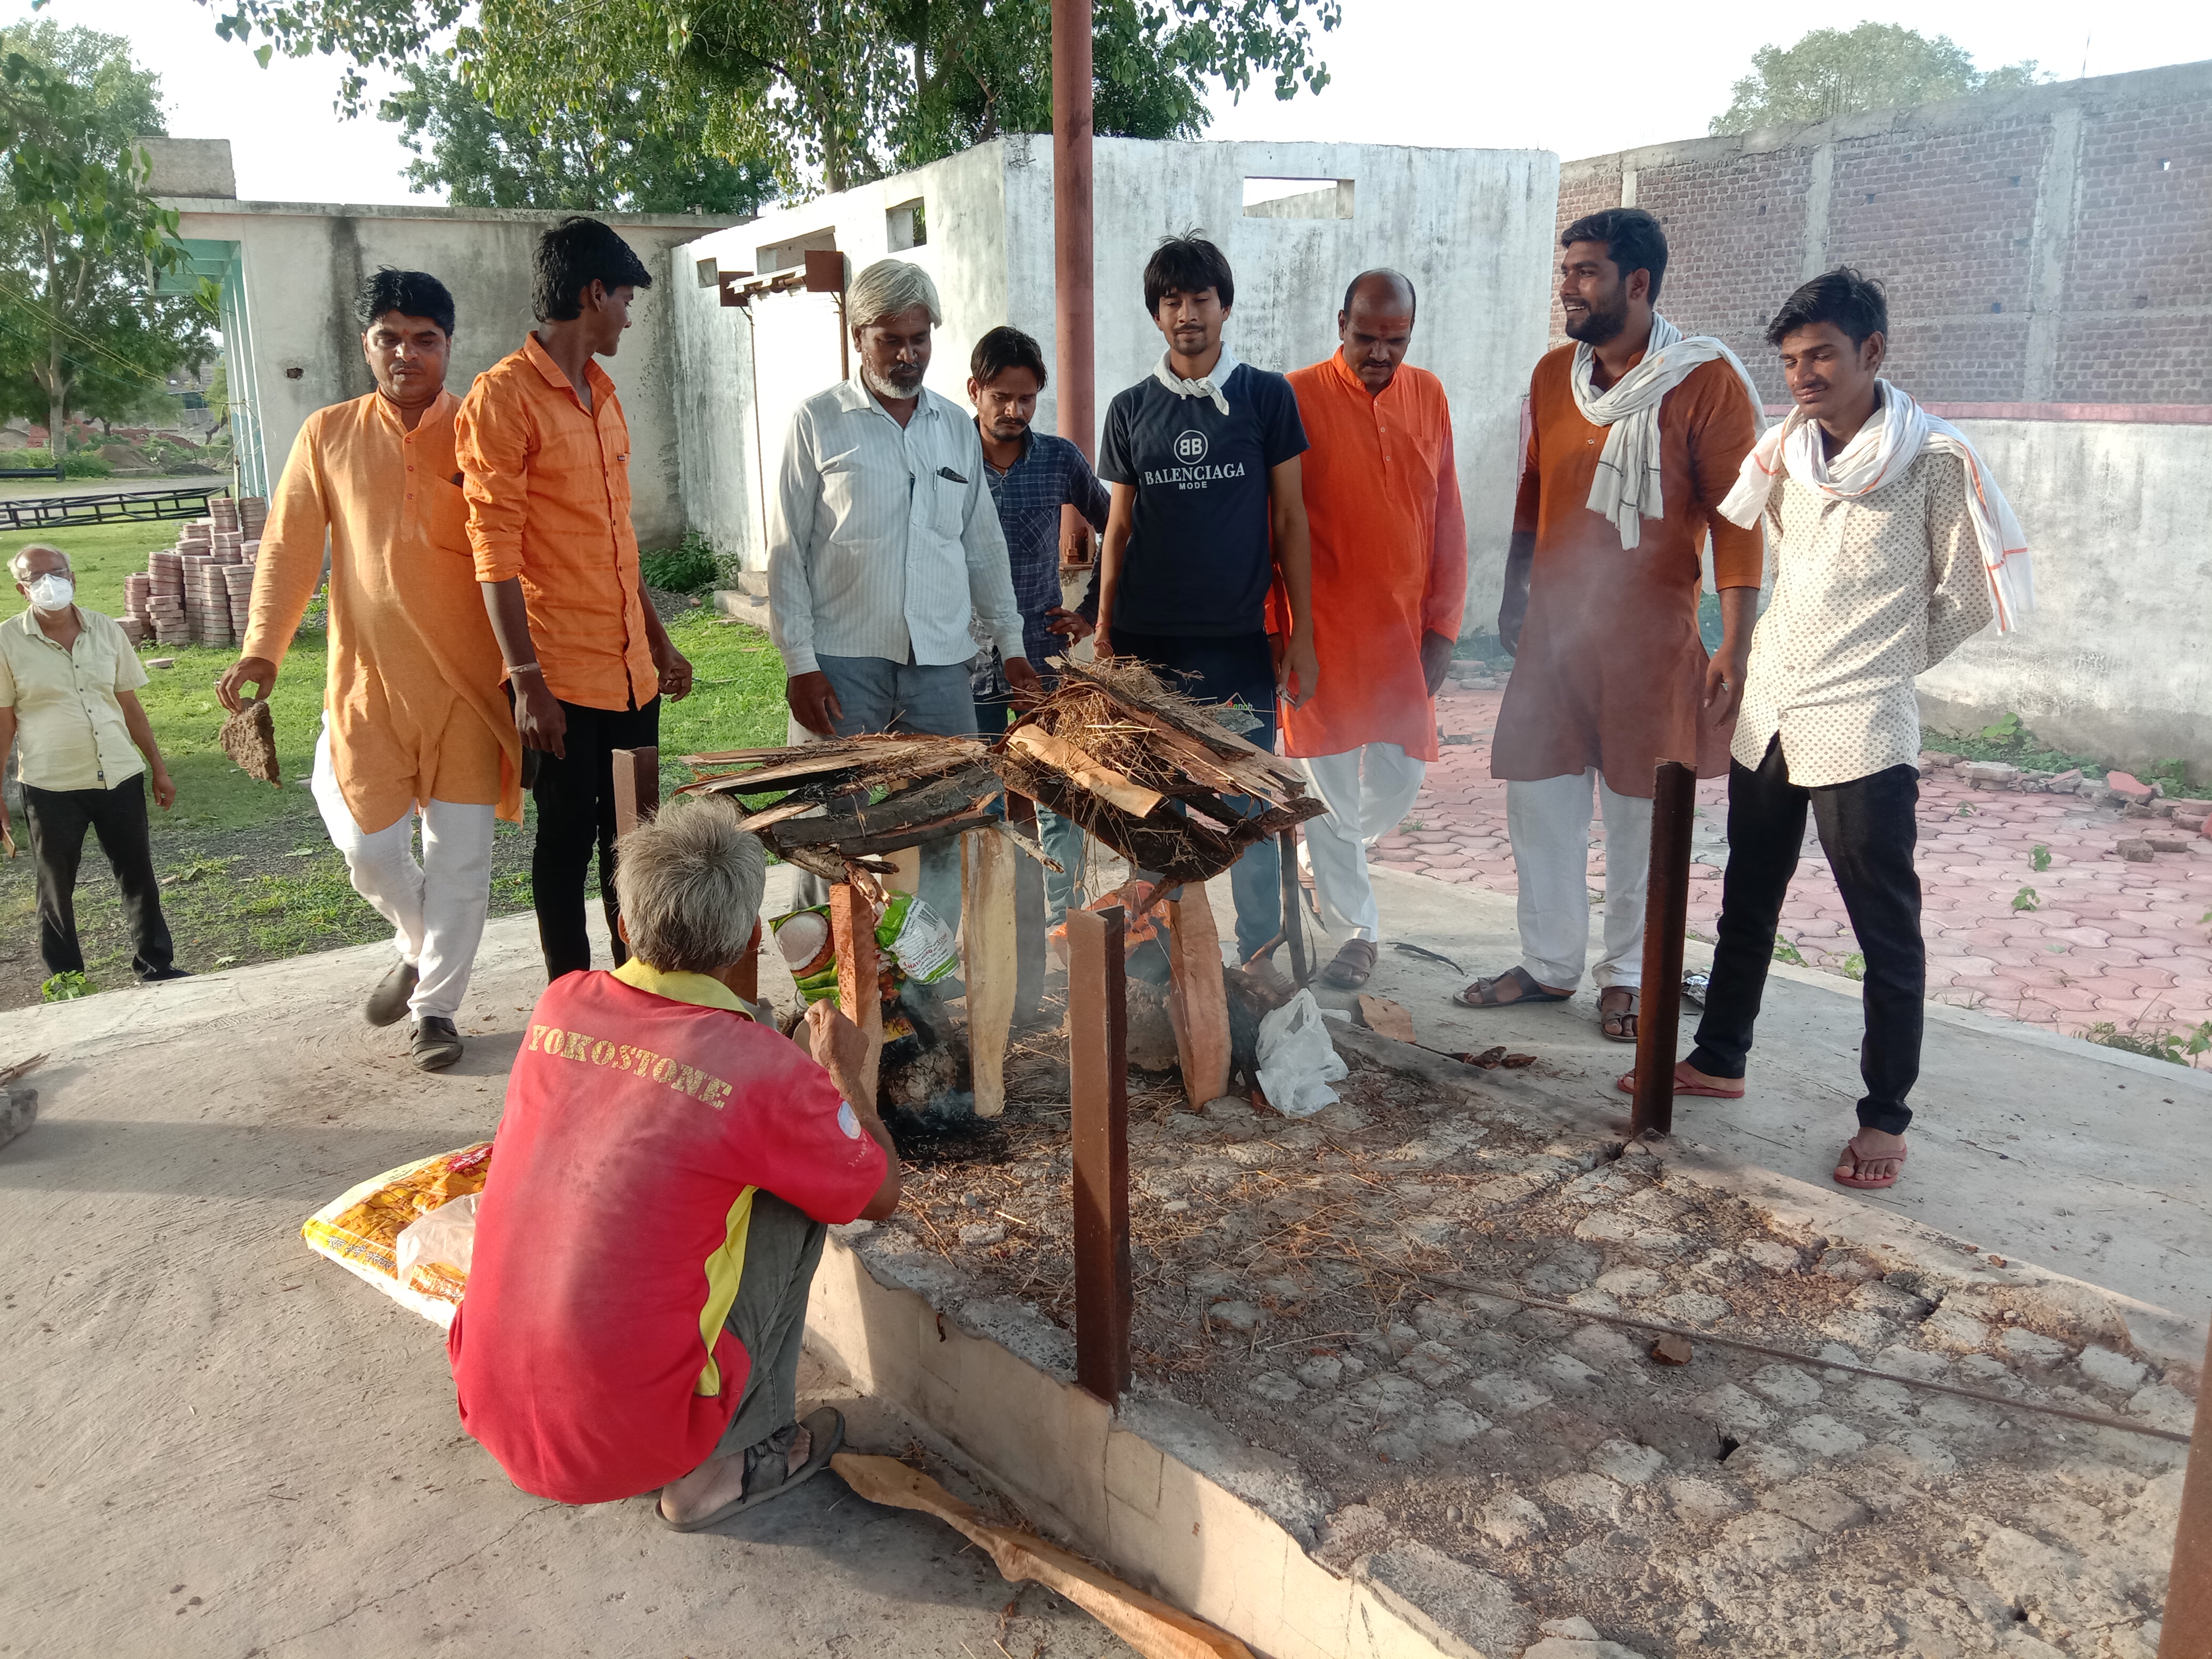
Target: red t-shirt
{"type": "Point", "coordinates": [613, 1226]}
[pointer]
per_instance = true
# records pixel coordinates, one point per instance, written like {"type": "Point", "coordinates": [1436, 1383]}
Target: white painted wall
{"type": "Point", "coordinates": [1473, 228]}
{"type": "Point", "coordinates": [2117, 658]}
{"type": "Point", "coordinates": [304, 262]}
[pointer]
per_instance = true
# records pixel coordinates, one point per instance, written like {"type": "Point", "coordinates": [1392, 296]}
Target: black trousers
{"type": "Point", "coordinates": [58, 819]}
{"type": "Point", "coordinates": [575, 797]}
{"type": "Point", "coordinates": [1867, 831]}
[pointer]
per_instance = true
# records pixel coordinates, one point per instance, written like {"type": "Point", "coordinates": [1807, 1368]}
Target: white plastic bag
{"type": "Point", "coordinates": [444, 1236]}
{"type": "Point", "coordinates": [1297, 1059]}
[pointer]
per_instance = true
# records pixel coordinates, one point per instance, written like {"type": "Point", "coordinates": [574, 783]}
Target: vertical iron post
{"type": "Point", "coordinates": [1076, 386]}
{"type": "Point", "coordinates": [1098, 1068]}
{"type": "Point", "coordinates": [1666, 919]}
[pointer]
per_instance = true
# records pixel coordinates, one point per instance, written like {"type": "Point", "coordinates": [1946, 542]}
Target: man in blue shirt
{"type": "Point", "coordinates": [1208, 516]}
{"type": "Point", "coordinates": [1031, 476]}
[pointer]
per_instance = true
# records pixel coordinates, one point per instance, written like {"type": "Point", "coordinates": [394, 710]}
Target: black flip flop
{"type": "Point", "coordinates": [826, 1424]}
{"type": "Point", "coordinates": [1530, 992]}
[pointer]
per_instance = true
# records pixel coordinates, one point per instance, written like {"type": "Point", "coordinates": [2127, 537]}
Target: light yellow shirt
{"type": "Point", "coordinates": [70, 731]}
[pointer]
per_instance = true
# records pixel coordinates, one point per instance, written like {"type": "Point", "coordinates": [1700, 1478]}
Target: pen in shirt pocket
{"type": "Point", "coordinates": [948, 474]}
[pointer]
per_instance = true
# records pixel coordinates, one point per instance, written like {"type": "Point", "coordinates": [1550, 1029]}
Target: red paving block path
{"type": "Point", "coordinates": [2108, 940]}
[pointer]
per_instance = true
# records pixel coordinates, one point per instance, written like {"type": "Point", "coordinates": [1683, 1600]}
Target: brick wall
{"type": "Point", "coordinates": [2052, 245]}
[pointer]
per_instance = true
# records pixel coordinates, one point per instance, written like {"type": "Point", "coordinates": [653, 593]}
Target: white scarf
{"type": "Point", "coordinates": [1214, 387]}
{"type": "Point", "coordinates": [1880, 453]}
{"type": "Point", "coordinates": [1625, 489]}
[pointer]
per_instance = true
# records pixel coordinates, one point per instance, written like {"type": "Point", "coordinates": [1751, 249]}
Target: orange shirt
{"type": "Point", "coordinates": [548, 484]}
{"type": "Point", "coordinates": [1389, 555]}
{"type": "Point", "coordinates": [1611, 671]}
{"type": "Point", "coordinates": [412, 693]}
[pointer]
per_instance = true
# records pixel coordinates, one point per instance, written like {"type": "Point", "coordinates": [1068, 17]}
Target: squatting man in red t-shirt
{"type": "Point", "coordinates": [661, 1187]}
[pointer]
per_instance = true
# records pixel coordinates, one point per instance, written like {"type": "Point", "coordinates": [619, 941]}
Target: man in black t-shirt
{"type": "Point", "coordinates": [1208, 515]}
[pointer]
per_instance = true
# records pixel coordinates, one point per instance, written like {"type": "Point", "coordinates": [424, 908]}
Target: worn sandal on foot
{"type": "Point", "coordinates": [1627, 1085]}
{"type": "Point", "coordinates": [1866, 1183]}
{"type": "Point", "coordinates": [1618, 1025]}
{"type": "Point", "coordinates": [767, 1470]}
{"type": "Point", "coordinates": [1483, 994]}
{"type": "Point", "coordinates": [1353, 965]}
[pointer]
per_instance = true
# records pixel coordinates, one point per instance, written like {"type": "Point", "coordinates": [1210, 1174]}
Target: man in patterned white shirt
{"type": "Point", "coordinates": [885, 541]}
{"type": "Point", "coordinates": [1888, 540]}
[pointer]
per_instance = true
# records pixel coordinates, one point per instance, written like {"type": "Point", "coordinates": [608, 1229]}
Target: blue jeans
{"type": "Point", "coordinates": [1060, 838]}
{"type": "Point", "coordinates": [879, 694]}
{"type": "Point", "coordinates": [1215, 669]}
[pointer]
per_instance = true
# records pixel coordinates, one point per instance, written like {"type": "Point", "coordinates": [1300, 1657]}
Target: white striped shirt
{"type": "Point", "coordinates": [885, 539]}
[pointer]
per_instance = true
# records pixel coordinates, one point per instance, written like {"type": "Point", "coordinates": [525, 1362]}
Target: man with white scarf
{"type": "Point", "coordinates": [1208, 516]}
{"type": "Point", "coordinates": [1635, 433]}
{"type": "Point", "coordinates": [1891, 546]}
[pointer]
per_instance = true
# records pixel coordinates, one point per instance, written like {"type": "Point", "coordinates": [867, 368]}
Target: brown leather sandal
{"type": "Point", "coordinates": [1353, 964]}
{"type": "Point", "coordinates": [1618, 1025]}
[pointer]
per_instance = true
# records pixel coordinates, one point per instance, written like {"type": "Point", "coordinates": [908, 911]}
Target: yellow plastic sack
{"type": "Point", "coordinates": [360, 1228]}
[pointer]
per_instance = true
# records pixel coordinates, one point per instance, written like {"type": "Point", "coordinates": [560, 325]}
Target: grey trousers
{"type": "Point", "coordinates": [879, 694]}
{"type": "Point", "coordinates": [782, 1249]}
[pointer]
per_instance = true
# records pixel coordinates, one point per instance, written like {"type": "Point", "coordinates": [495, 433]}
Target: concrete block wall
{"type": "Point", "coordinates": [1472, 227]}
{"type": "Point", "coordinates": [2048, 245]}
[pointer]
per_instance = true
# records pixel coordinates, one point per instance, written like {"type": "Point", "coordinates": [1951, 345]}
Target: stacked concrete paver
{"type": "Point", "coordinates": [197, 592]}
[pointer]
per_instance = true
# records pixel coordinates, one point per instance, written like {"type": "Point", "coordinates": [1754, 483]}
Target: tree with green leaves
{"type": "Point", "coordinates": [1834, 72]}
{"type": "Point", "coordinates": [826, 92]}
{"type": "Point", "coordinates": [625, 151]}
{"type": "Point", "coordinates": [80, 241]}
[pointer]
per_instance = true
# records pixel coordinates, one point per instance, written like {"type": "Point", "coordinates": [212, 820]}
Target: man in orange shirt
{"type": "Point", "coordinates": [545, 454]}
{"type": "Point", "coordinates": [1636, 435]}
{"type": "Point", "coordinates": [413, 722]}
{"type": "Point", "coordinates": [1389, 580]}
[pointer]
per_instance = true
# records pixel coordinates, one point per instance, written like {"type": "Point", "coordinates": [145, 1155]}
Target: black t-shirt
{"type": "Point", "coordinates": [1198, 558]}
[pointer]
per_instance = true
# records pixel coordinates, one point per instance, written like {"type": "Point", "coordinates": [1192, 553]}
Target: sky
{"type": "Point", "coordinates": [1607, 74]}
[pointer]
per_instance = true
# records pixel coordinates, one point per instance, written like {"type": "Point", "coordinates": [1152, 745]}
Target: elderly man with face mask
{"type": "Point", "coordinates": [414, 723]}
{"type": "Point", "coordinates": [69, 683]}
{"type": "Point", "coordinates": [883, 543]}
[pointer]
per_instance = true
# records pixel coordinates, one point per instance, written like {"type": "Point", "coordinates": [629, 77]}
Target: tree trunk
{"type": "Point", "coordinates": [56, 385]}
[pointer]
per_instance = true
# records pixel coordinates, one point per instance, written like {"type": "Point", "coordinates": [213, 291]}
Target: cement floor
{"type": "Point", "coordinates": [2033, 1145]}
{"type": "Point", "coordinates": [219, 1443]}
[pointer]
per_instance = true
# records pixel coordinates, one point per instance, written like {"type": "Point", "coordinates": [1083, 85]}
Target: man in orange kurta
{"type": "Point", "coordinates": [414, 721]}
{"type": "Point", "coordinates": [1389, 581]}
{"type": "Point", "coordinates": [1636, 434]}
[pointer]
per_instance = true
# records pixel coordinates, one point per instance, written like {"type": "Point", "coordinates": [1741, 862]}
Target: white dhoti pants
{"type": "Point", "coordinates": [436, 907]}
{"type": "Point", "coordinates": [1368, 791]}
{"type": "Point", "coordinates": [1549, 822]}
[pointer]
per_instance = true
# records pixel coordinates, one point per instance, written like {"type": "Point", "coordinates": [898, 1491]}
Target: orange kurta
{"type": "Point", "coordinates": [1389, 555]}
{"type": "Point", "coordinates": [548, 484]}
{"type": "Point", "coordinates": [413, 689]}
{"type": "Point", "coordinates": [1611, 670]}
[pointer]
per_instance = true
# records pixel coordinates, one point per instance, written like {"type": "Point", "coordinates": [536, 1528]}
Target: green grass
{"type": "Point", "coordinates": [2010, 740]}
{"type": "Point", "coordinates": [248, 873]}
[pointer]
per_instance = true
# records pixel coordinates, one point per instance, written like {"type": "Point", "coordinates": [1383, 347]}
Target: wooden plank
{"type": "Point", "coordinates": [1028, 911]}
{"type": "Point", "coordinates": [637, 787]}
{"type": "Point", "coordinates": [1098, 1071]}
{"type": "Point", "coordinates": [1199, 1005]}
{"type": "Point", "coordinates": [859, 994]}
{"type": "Point", "coordinates": [986, 950]}
{"type": "Point", "coordinates": [1666, 919]}
{"type": "Point", "coordinates": [1081, 767]}
{"type": "Point", "coordinates": [1151, 1627]}
{"type": "Point", "coordinates": [1294, 916]}
{"type": "Point", "coordinates": [748, 985]}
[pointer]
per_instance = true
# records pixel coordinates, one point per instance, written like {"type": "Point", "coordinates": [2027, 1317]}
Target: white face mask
{"type": "Point", "coordinates": [50, 591]}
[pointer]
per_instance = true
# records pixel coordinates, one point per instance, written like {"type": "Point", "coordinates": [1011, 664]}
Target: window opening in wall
{"type": "Point", "coordinates": [2015, 178]}
{"type": "Point", "coordinates": [905, 226]}
{"type": "Point", "coordinates": [1762, 208]}
{"type": "Point", "coordinates": [1996, 304]}
{"type": "Point", "coordinates": [1297, 198]}
{"type": "Point", "coordinates": [785, 256]}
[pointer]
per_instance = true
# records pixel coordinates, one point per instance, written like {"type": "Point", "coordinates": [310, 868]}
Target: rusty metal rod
{"type": "Point", "coordinates": [1666, 919]}
{"type": "Point", "coordinates": [1293, 922]}
{"type": "Point", "coordinates": [1072, 267]}
{"type": "Point", "coordinates": [1098, 1068]}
